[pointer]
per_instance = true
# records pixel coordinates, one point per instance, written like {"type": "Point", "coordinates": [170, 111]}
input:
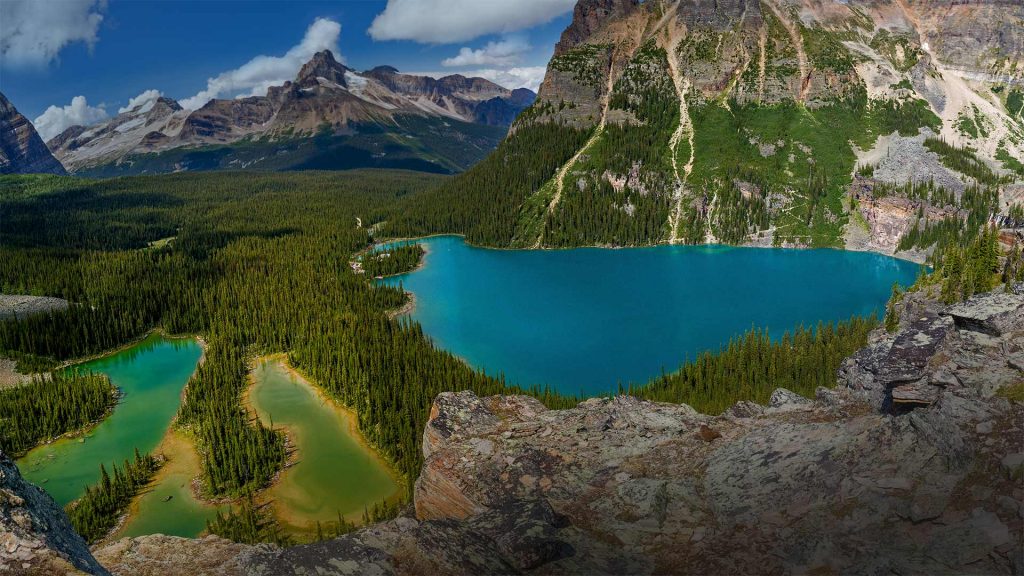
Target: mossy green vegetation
{"type": "Point", "coordinates": [587, 63]}
{"type": "Point", "coordinates": [488, 202]}
{"type": "Point", "coordinates": [898, 48]}
{"type": "Point", "coordinates": [51, 406]}
{"type": "Point", "coordinates": [825, 51]}
{"type": "Point", "coordinates": [801, 154]}
{"type": "Point", "coordinates": [96, 513]}
{"type": "Point", "coordinates": [965, 161]}
{"type": "Point", "coordinates": [1015, 165]}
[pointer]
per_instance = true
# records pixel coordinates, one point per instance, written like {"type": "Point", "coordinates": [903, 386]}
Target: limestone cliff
{"type": "Point", "coordinates": [743, 121]}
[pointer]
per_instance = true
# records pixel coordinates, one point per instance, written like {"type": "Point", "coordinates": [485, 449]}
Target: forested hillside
{"type": "Point", "coordinates": [764, 122]}
{"type": "Point", "coordinates": [255, 264]}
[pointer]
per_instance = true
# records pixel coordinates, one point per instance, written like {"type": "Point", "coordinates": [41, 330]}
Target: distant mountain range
{"type": "Point", "coordinates": [330, 117]}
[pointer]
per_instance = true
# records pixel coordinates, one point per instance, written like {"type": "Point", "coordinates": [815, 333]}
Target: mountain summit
{"type": "Point", "coordinates": [357, 119]}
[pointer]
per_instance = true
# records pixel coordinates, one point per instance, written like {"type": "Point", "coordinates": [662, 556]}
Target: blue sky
{"type": "Point", "coordinates": [78, 61]}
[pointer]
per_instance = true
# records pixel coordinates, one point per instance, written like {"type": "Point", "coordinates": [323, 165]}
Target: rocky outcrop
{"type": "Point", "coordinates": [22, 151]}
{"type": "Point", "coordinates": [972, 349]}
{"type": "Point", "coordinates": [169, 555]}
{"type": "Point", "coordinates": [36, 537]}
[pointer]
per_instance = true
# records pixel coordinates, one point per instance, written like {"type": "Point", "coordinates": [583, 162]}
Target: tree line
{"type": "Point", "coordinates": [752, 366]}
{"type": "Point", "coordinates": [95, 513]}
{"type": "Point", "coordinates": [51, 406]}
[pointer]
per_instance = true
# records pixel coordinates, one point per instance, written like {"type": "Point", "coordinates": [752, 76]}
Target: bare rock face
{"type": "Point", "coordinates": [36, 536]}
{"type": "Point", "coordinates": [970, 348]}
{"type": "Point", "coordinates": [160, 555]}
{"type": "Point", "coordinates": [22, 151]}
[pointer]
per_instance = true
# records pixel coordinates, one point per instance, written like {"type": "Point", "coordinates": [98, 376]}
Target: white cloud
{"type": "Point", "coordinates": [517, 77]}
{"type": "Point", "coordinates": [507, 52]}
{"type": "Point", "coordinates": [147, 98]}
{"type": "Point", "coordinates": [57, 119]}
{"type": "Point", "coordinates": [255, 76]}
{"type": "Point", "coordinates": [447, 21]}
{"type": "Point", "coordinates": [33, 32]}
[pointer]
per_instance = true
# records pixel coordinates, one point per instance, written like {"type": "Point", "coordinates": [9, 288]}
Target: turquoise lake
{"type": "Point", "coordinates": [587, 319]}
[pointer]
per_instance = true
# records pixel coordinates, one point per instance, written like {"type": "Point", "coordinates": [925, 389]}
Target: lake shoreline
{"type": "Point", "coordinates": [347, 417]}
{"type": "Point", "coordinates": [180, 459]}
{"type": "Point", "coordinates": [906, 256]}
{"type": "Point", "coordinates": [451, 299]}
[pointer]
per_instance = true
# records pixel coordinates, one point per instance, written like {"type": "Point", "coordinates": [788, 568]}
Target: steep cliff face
{"type": "Point", "coordinates": [912, 464]}
{"type": "Point", "coordinates": [22, 151]}
{"type": "Point", "coordinates": [743, 121]}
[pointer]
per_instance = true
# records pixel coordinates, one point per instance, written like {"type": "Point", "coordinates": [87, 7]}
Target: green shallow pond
{"type": "Point", "coordinates": [151, 376]}
{"type": "Point", "coordinates": [335, 471]}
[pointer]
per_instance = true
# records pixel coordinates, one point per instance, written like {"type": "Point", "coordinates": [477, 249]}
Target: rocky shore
{"type": "Point", "coordinates": [914, 463]}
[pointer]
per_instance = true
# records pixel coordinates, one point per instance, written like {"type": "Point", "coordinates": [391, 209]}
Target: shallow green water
{"type": "Point", "coordinates": [151, 376]}
{"type": "Point", "coordinates": [587, 319]}
{"type": "Point", "coordinates": [335, 472]}
{"type": "Point", "coordinates": [181, 514]}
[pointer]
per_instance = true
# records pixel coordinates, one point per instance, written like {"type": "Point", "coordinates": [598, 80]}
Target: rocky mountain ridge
{"type": "Point", "coordinates": [745, 121]}
{"type": "Point", "coordinates": [21, 149]}
{"type": "Point", "coordinates": [326, 99]}
{"type": "Point", "coordinates": [912, 464]}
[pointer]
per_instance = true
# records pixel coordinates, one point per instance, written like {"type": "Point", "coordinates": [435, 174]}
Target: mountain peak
{"type": "Point", "coordinates": [321, 65]}
{"type": "Point", "coordinates": [170, 103]}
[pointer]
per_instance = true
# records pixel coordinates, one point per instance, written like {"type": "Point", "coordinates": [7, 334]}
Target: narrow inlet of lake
{"type": "Point", "coordinates": [334, 471]}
